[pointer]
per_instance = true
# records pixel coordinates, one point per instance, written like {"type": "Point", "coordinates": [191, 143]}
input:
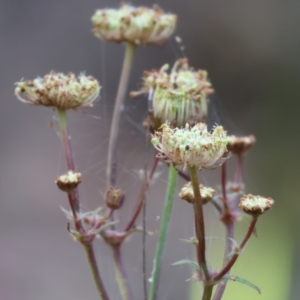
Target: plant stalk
{"type": "Point", "coordinates": [95, 271]}
{"type": "Point", "coordinates": [73, 196]}
{"type": "Point", "coordinates": [111, 170]}
{"type": "Point", "coordinates": [234, 257]}
{"type": "Point", "coordinates": [207, 293]}
{"type": "Point", "coordinates": [199, 222]}
{"type": "Point", "coordinates": [75, 206]}
{"type": "Point", "coordinates": [172, 181]}
{"type": "Point", "coordinates": [229, 227]}
{"type": "Point", "coordinates": [121, 274]}
{"type": "Point", "coordinates": [229, 236]}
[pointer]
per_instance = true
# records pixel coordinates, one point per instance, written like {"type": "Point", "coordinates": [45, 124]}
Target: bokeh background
{"type": "Point", "coordinates": [251, 50]}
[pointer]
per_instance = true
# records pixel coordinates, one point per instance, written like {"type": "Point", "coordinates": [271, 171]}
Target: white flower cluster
{"type": "Point", "coordinates": [255, 205]}
{"type": "Point", "coordinates": [180, 96]}
{"type": "Point", "coordinates": [59, 90]}
{"type": "Point", "coordinates": [192, 146]}
{"type": "Point", "coordinates": [138, 25]}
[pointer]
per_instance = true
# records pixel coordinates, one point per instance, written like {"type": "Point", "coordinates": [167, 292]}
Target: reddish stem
{"type": "Point", "coordinates": [95, 271]}
{"type": "Point", "coordinates": [229, 236]}
{"type": "Point", "coordinates": [122, 276]}
{"type": "Point", "coordinates": [233, 259]}
{"type": "Point", "coordinates": [199, 222]}
{"type": "Point", "coordinates": [142, 195]}
{"type": "Point", "coordinates": [224, 193]}
{"type": "Point", "coordinates": [239, 168]}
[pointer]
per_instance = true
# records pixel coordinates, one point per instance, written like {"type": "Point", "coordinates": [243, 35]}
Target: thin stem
{"type": "Point", "coordinates": [229, 236]}
{"type": "Point", "coordinates": [121, 274]}
{"type": "Point", "coordinates": [234, 257]}
{"type": "Point", "coordinates": [224, 193]}
{"type": "Point", "coordinates": [199, 222]}
{"type": "Point", "coordinates": [229, 226]}
{"type": "Point", "coordinates": [172, 181]}
{"type": "Point", "coordinates": [111, 170]}
{"type": "Point", "coordinates": [207, 293]}
{"type": "Point", "coordinates": [74, 195]}
{"type": "Point", "coordinates": [95, 271]}
{"type": "Point", "coordinates": [142, 195]}
{"type": "Point", "coordinates": [239, 168]}
{"type": "Point", "coordinates": [75, 206]}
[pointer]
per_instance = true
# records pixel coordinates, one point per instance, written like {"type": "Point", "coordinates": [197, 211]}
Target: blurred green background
{"type": "Point", "coordinates": [251, 51]}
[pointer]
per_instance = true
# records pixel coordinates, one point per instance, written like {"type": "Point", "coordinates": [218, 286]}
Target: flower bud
{"type": "Point", "coordinates": [179, 97]}
{"type": "Point", "coordinates": [239, 145]}
{"type": "Point", "coordinates": [68, 181]}
{"type": "Point", "coordinates": [193, 146]}
{"type": "Point", "coordinates": [114, 198]}
{"type": "Point", "coordinates": [138, 25]}
{"type": "Point", "coordinates": [59, 90]}
{"type": "Point", "coordinates": [255, 205]}
{"type": "Point", "coordinates": [187, 193]}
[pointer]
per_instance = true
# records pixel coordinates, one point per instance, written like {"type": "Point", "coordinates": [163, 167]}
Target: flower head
{"type": "Point", "coordinates": [193, 146]}
{"type": "Point", "coordinates": [59, 90]}
{"type": "Point", "coordinates": [138, 25]}
{"type": "Point", "coordinates": [239, 145]}
{"type": "Point", "coordinates": [69, 181]}
{"type": "Point", "coordinates": [187, 193]}
{"type": "Point", "coordinates": [255, 205]}
{"type": "Point", "coordinates": [179, 97]}
{"type": "Point", "coordinates": [114, 198]}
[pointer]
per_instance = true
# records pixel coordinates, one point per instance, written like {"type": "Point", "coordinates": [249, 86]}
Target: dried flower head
{"type": "Point", "coordinates": [187, 193]}
{"type": "Point", "coordinates": [59, 90]}
{"type": "Point", "coordinates": [193, 146]}
{"type": "Point", "coordinates": [239, 145]}
{"type": "Point", "coordinates": [179, 97]}
{"type": "Point", "coordinates": [138, 25]}
{"type": "Point", "coordinates": [69, 181]}
{"type": "Point", "coordinates": [255, 205]}
{"type": "Point", "coordinates": [114, 198]}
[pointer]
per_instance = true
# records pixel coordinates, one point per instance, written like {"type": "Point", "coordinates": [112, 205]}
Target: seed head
{"type": "Point", "coordinates": [138, 25]}
{"type": "Point", "coordinates": [255, 205]}
{"type": "Point", "coordinates": [69, 181]}
{"type": "Point", "coordinates": [239, 145]}
{"type": "Point", "coordinates": [179, 97]}
{"type": "Point", "coordinates": [192, 146]}
{"type": "Point", "coordinates": [59, 90]}
{"type": "Point", "coordinates": [187, 193]}
{"type": "Point", "coordinates": [114, 198]}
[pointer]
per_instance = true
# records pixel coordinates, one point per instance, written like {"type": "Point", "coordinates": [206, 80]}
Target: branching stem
{"type": "Point", "coordinates": [234, 257]}
{"type": "Point", "coordinates": [75, 207]}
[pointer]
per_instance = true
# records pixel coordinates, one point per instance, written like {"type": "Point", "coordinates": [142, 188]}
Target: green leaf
{"type": "Point", "coordinates": [242, 280]}
{"type": "Point", "coordinates": [194, 265]}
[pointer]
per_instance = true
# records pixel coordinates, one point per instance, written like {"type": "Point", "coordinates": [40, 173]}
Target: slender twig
{"type": "Point", "coordinates": [75, 207]}
{"type": "Point", "coordinates": [144, 188]}
{"type": "Point", "coordinates": [120, 269]}
{"type": "Point", "coordinates": [184, 175]}
{"type": "Point", "coordinates": [229, 236]}
{"type": "Point", "coordinates": [62, 117]}
{"type": "Point", "coordinates": [172, 181]}
{"type": "Point", "coordinates": [199, 222]}
{"type": "Point", "coordinates": [239, 168]}
{"type": "Point", "coordinates": [121, 274]}
{"type": "Point", "coordinates": [95, 271]}
{"type": "Point", "coordinates": [229, 227]}
{"type": "Point", "coordinates": [235, 256]}
{"type": "Point", "coordinates": [111, 170]}
{"type": "Point", "coordinates": [223, 184]}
